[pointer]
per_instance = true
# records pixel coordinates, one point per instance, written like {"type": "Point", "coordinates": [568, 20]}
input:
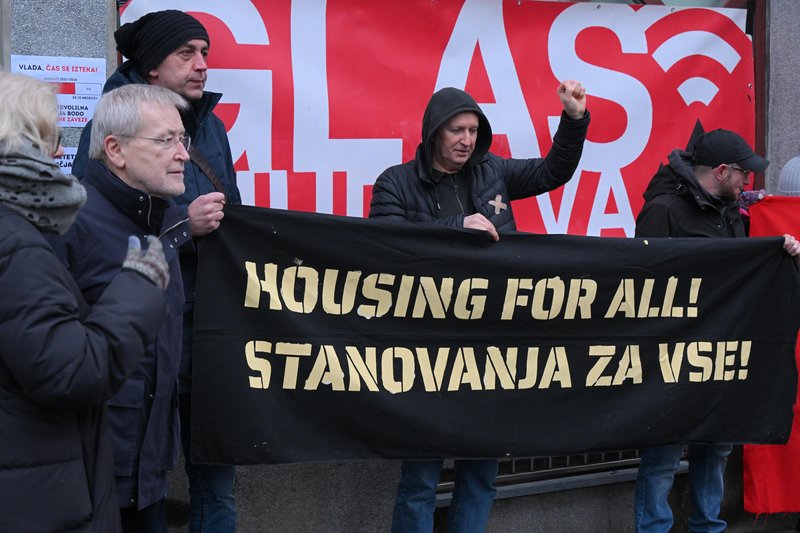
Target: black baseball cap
{"type": "Point", "coordinates": [725, 146]}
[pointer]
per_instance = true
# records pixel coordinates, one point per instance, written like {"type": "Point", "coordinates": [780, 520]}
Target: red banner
{"type": "Point", "coordinates": [320, 97]}
{"type": "Point", "coordinates": [772, 472]}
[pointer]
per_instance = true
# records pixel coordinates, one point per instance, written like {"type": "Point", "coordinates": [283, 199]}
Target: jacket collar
{"type": "Point", "coordinates": [126, 74]}
{"type": "Point", "coordinates": [679, 162]}
{"type": "Point", "coordinates": [423, 170]}
{"type": "Point", "coordinates": [678, 178]}
{"type": "Point", "coordinates": [147, 211]}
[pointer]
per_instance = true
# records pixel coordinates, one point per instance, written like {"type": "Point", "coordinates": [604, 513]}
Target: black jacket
{"type": "Point", "coordinates": [676, 205]}
{"type": "Point", "coordinates": [409, 192]}
{"type": "Point", "coordinates": [60, 360]}
{"type": "Point", "coordinates": [144, 416]}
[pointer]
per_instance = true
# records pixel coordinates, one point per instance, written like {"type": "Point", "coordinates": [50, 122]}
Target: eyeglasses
{"type": "Point", "coordinates": [743, 171]}
{"type": "Point", "coordinates": [166, 142]}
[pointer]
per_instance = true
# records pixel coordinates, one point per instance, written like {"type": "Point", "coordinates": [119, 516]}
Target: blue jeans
{"type": "Point", "coordinates": [211, 500]}
{"type": "Point", "coordinates": [656, 474]}
{"type": "Point", "coordinates": [473, 495]}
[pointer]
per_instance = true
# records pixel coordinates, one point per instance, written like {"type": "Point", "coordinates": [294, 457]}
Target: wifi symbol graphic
{"type": "Point", "coordinates": [699, 43]}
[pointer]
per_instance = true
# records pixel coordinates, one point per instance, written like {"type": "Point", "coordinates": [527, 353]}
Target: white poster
{"type": "Point", "coordinates": [65, 161]}
{"type": "Point", "coordinates": [80, 83]}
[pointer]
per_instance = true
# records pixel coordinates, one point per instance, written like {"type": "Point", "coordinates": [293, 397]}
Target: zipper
{"type": "Point", "coordinates": [455, 189]}
{"type": "Point", "coordinates": [172, 227]}
{"type": "Point", "coordinates": [149, 210]}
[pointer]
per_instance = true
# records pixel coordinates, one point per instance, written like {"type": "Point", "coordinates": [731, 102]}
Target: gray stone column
{"type": "Point", "coordinates": [783, 86]}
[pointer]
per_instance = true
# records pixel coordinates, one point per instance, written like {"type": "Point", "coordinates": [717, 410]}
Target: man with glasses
{"type": "Point", "coordinates": [169, 49]}
{"type": "Point", "coordinates": [695, 195]}
{"type": "Point", "coordinates": [138, 154]}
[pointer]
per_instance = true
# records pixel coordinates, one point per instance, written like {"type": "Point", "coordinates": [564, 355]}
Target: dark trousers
{"type": "Point", "coordinates": [152, 519]}
{"type": "Point", "coordinates": [211, 487]}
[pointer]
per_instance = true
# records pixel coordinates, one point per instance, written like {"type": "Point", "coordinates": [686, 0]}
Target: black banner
{"type": "Point", "coordinates": [321, 337]}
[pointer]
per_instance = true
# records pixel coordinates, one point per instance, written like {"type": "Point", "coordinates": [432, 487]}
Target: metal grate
{"type": "Point", "coordinates": [525, 470]}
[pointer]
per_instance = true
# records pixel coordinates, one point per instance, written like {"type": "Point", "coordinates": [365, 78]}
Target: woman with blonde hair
{"type": "Point", "coordinates": [59, 358]}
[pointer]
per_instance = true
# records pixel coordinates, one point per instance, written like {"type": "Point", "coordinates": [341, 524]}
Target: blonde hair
{"type": "Point", "coordinates": [29, 113]}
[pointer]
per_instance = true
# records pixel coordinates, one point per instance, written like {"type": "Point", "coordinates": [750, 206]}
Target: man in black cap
{"type": "Point", "coordinates": [695, 195]}
{"type": "Point", "coordinates": [455, 181]}
{"type": "Point", "coordinates": [169, 49]}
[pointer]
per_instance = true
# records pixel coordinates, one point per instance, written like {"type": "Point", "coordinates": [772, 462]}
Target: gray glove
{"type": "Point", "coordinates": [151, 263]}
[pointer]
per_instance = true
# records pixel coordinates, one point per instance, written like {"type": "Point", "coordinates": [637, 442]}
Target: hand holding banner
{"type": "Point", "coordinates": [320, 337]}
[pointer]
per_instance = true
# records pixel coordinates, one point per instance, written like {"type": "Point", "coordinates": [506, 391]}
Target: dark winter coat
{"type": "Point", "coordinates": [144, 416]}
{"type": "Point", "coordinates": [410, 192]}
{"type": "Point", "coordinates": [59, 361]}
{"type": "Point", "coordinates": [210, 139]}
{"type": "Point", "coordinates": [676, 205]}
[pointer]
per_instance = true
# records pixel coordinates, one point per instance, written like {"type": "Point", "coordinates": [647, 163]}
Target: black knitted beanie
{"type": "Point", "coordinates": [150, 39]}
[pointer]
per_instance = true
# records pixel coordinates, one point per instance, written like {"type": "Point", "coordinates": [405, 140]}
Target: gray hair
{"type": "Point", "coordinates": [30, 113]}
{"type": "Point", "coordinates": [117, 112]}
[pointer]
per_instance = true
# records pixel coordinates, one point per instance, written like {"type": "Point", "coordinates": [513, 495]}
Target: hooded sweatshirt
{"type": "Point", "coordinates": [452, 189]}
{"type": "Point", "coordinates": [486, 183]}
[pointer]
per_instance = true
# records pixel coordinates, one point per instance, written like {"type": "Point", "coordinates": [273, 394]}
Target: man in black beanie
{"type": "Point", "coordinates": [169, 49]}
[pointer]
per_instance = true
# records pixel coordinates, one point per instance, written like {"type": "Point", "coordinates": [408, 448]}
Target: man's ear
{"type": "Point", "coordinates": [719, 172]}
{"type": "Point", "coordinates": [113, 150]}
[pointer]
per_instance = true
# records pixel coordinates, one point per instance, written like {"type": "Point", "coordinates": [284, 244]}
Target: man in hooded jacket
{"type": "Point", "coordinates": [455, 181]}
{"type": "Point", "coordinates": [169, 48]}
{"type": "Point", "coordinates": [695, 195]}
